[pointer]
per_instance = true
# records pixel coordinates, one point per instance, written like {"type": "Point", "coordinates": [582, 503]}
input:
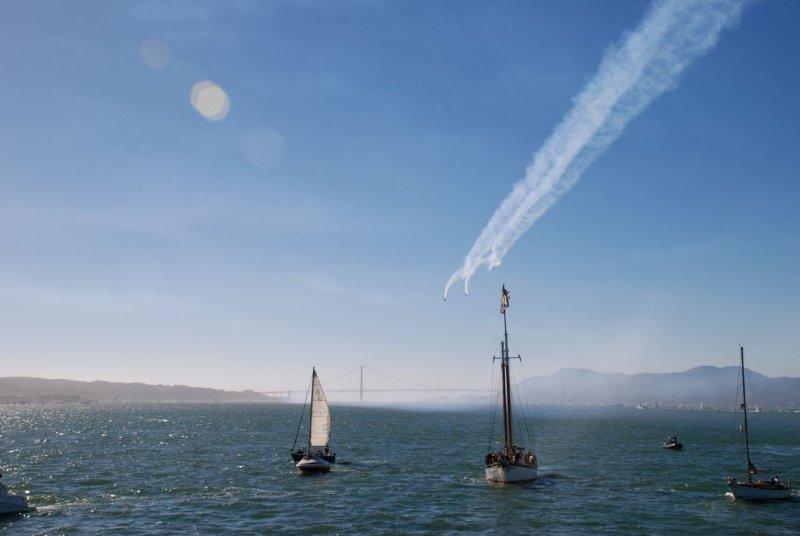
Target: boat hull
{"type": "Point", "coordinates": [298, 455]}
{"type": "Point", "coordinates": [759, 491]}
{"type": "Point", "coordinates": [313, 465]}
{"type": "Point", "coordinates": [673, 446]}
{"type": "Point", "coordinates": [518, 473]}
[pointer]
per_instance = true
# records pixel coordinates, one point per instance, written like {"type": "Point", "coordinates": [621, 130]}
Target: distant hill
{"type": "Point", "coordinates": [714, 387]}
{"type": "Point", "coordinates": [27, 390]}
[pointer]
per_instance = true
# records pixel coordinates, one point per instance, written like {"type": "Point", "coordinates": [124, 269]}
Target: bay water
{"type": "Point", "coordinates": [226, 469]}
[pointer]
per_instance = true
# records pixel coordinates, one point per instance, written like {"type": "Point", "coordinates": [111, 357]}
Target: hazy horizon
{"type": "Point", "coordinates": [376, 382]}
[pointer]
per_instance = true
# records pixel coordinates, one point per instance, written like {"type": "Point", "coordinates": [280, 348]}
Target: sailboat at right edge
{"type": "Point", "coordinates": [511, 464]}
{"type": "Point", "coordinates": [772, 489]}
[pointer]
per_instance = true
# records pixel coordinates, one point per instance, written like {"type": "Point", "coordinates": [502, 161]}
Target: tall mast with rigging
{"type": "Point", "coordinates": [750, 467]}
{"type": "Point", "coordinates": [508, 434]}
{"type": "Point", "coordinates": [511, 463]}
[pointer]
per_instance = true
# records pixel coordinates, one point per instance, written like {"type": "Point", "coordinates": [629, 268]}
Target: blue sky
{"type": "Point", "coordinates": [366, 146]}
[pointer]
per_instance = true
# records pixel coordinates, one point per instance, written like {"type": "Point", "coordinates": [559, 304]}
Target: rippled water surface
{"type": "Point", "coordinates": [212, 469]}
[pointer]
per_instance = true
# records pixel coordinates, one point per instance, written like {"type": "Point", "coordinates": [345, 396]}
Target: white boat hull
{"type": "Point", "coordinates": [12, 504]}
{"type": "Point", "coordinates": [313, 465]}
{"type": "Point", "coordinates": [759, 491]}
{"type": "Point", "coordinates": [511, 473]}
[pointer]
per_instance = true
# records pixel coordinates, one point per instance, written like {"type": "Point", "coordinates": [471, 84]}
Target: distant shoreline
{"type": "Point", "coordinates": [698, 388]}
{"type": "Point", "coordinates": [28, 390]}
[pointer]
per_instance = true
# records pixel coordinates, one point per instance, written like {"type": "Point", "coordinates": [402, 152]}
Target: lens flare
{"type": "Point", "coordinates": [263, 146]}
{"type": "Point", "coordinates": [210, 100]}
{"type": "Point", "coordinates": [155, 54]}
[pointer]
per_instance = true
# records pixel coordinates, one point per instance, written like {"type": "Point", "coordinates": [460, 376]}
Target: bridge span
{"type": "Point", "coordinates": [362, 390]}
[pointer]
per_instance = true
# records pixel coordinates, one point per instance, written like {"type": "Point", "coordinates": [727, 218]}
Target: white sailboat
{"type": "Point", "coordinates": [511, 464]}
{"type": "Point", "coordinates": [12, 504]}
{"type": "Point", "coordinates": [772, 489]}
{"type": "Point", "coordinates": [318, 457]}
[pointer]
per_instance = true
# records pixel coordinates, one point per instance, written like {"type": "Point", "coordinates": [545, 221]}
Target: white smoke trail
{"type": "Point", "coordinates": [646, 63]}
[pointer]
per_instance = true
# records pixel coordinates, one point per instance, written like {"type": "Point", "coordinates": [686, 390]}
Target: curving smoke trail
{"type": "Point", "coordinates": [643, 65]}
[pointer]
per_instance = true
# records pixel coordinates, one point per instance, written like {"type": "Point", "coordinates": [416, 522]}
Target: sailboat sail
{"type": "Point", "coordinates": [316, 455]}
{"type": "Point", "coordinates": [320, 429]}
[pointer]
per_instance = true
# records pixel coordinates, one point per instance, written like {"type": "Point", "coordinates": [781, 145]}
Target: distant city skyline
{"type": "Point", "coordinates": [226, 194]}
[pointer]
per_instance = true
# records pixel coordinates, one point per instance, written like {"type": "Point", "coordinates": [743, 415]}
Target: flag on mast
{"type": "Point", "coordinates": [504, 301]}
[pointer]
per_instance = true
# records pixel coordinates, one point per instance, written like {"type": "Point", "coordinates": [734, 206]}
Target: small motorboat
{"type": "Point", "coordinates": [12, 504]}
{"type": "Point", "coordinates": [672, 443]}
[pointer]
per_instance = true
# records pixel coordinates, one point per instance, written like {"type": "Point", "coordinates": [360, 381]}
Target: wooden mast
{"type": "Point", "coordinates": [508, 434]}
{"type": "Point", "coordinates": [507, 427]}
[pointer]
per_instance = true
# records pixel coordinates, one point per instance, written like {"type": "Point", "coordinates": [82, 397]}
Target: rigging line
{"type": "Point", "coordinates": [398, 379]}
{"type": "Point", "coordinates": [737, 416]}
{"type": "Point", "coordinates": [493, 403]}
{"type": "Point", "coordinates": [740, 413]}
{"type": "Point", "coordinates": [522, 419]}
{"type": "Point", "coordinates": [300, 422]}
{"type": "Point", "coordinates": [522, 416]}
{"type": "Point", "coordinates": [500, 332]}
{"type": "Point", "coordinates": [526, 420]}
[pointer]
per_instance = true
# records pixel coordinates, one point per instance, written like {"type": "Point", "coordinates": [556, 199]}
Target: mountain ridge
{"type": "Point", "coordinates": [26, 389]}
{"type": "Point", "coordinates": [701, 386]}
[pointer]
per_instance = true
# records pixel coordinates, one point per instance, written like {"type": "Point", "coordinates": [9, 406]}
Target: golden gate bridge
{"type": "Point", "coordinates": [409, 387]}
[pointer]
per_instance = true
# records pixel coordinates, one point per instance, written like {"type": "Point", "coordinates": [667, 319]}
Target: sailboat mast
{"type": "Point", "coordinates": [311, 409]}
{"type": "Point", "coordinates": [508, 434]}
{"type": "Point", "coordinates": [744, 405]}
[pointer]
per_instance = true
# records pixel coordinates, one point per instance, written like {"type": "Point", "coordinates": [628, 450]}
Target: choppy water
{"type": "Point", "coordinates": [212, 469]}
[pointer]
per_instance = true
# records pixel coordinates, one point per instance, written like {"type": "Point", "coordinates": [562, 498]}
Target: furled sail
{"type": "Point", "coordinates": [320, 430]}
